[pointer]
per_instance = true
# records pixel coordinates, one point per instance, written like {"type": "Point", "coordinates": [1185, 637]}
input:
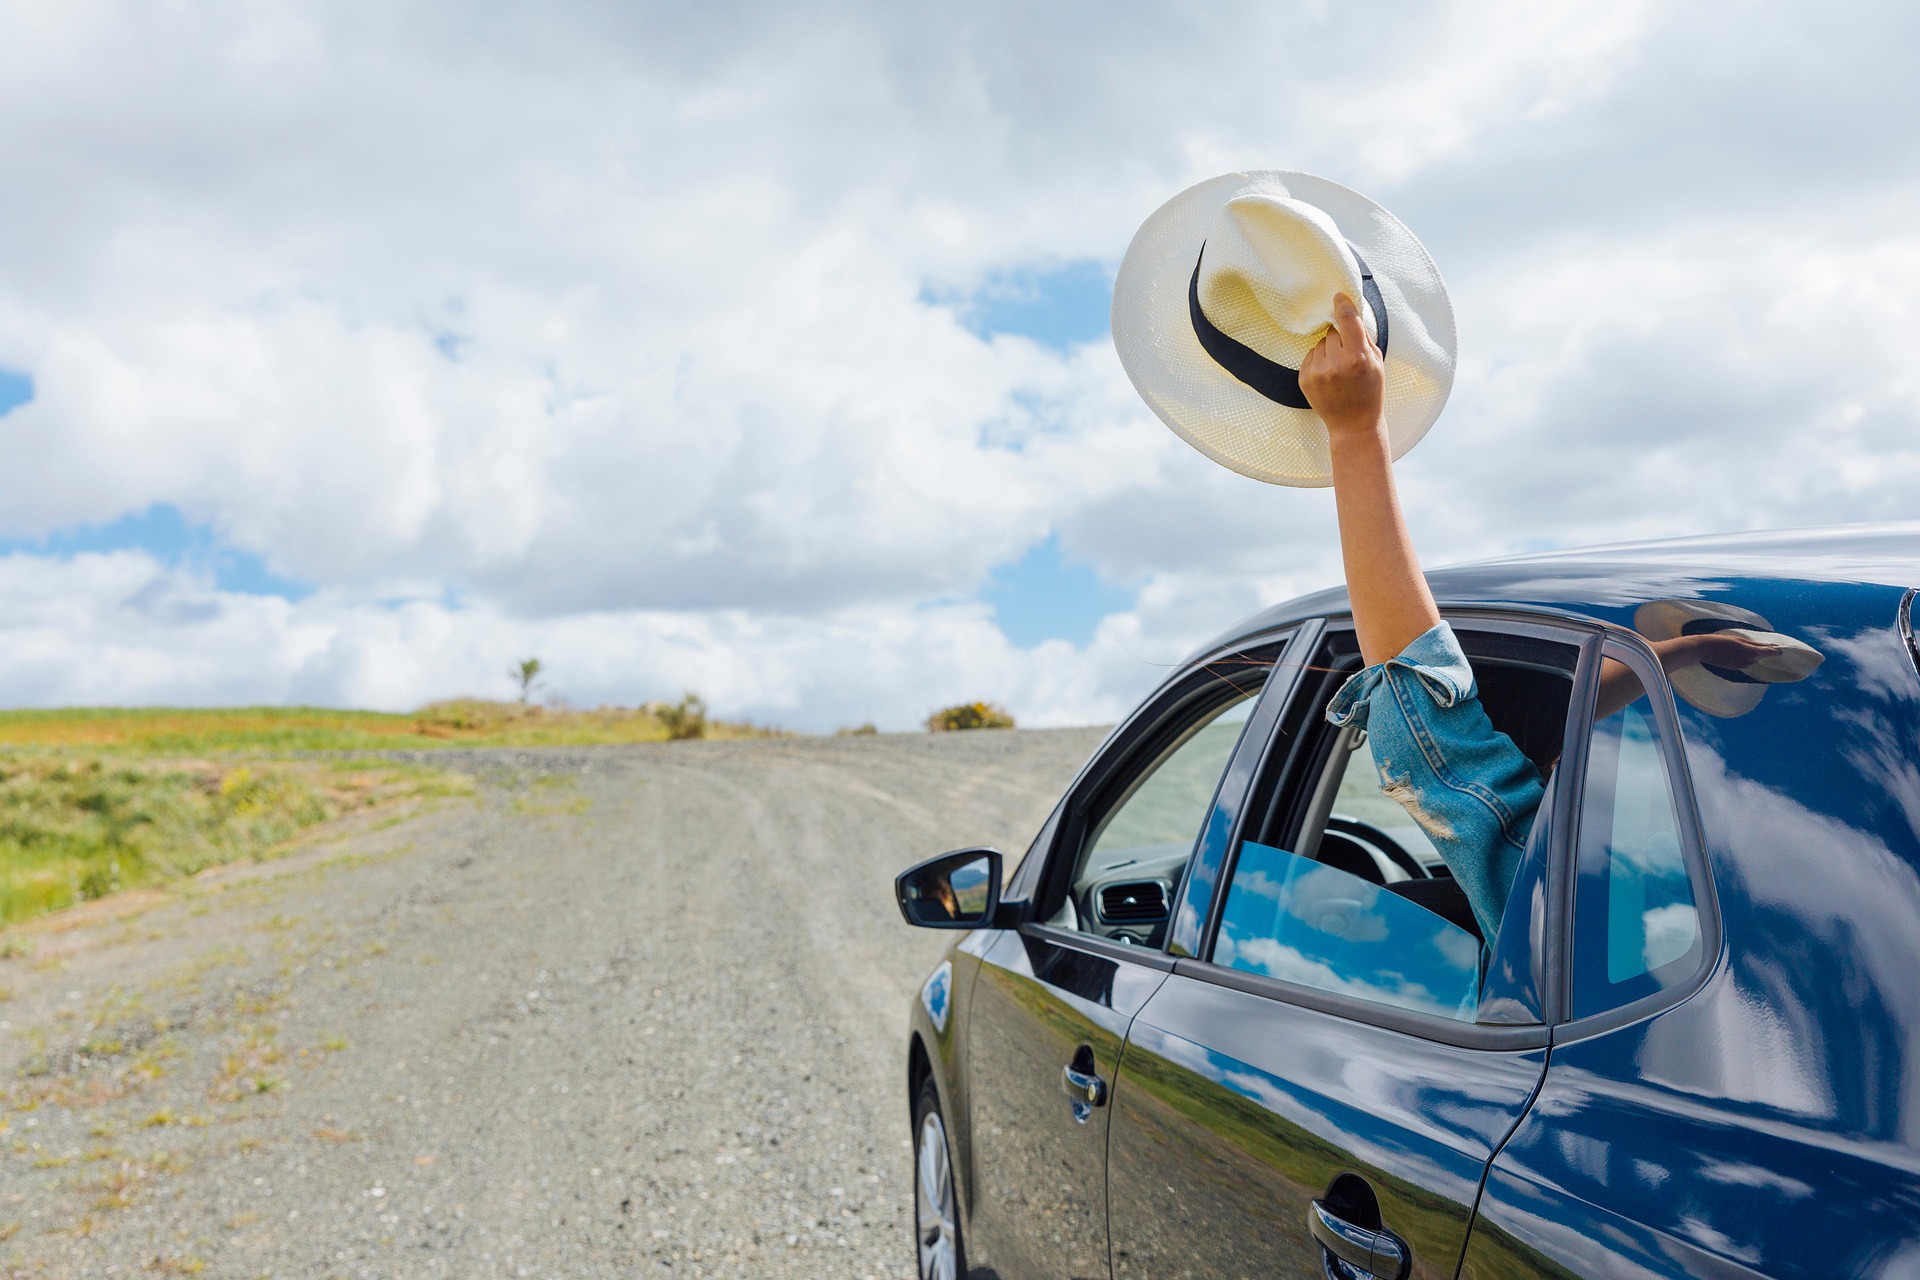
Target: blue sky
{"type": "Point", "coordinates": [171, 540]}
{"type": "Point", "coordinates": [16, 389]}
{"type": "Point", "coordinates": [735, 407]}
{"type": "Point", "coordinates": [160, 531]}
{"type": "Point", "coordinates": [1059, 305]}
{"type": "Point", "coordinates": [1044, 595]}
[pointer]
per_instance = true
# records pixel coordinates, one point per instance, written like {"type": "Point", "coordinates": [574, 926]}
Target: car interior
{"type": "Point", "coordinates": [1347, 822]}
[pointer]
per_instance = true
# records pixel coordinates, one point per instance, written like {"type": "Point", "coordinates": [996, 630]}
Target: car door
{"type": "Point", "coordinates": [1054, 997]}
{"type": "Point", "coordinates": [1328, 1073]}
{"type": "Point", "coordinates": [1733, 1091]}
{"type": "Point", "coordinates": [1585, 1183]}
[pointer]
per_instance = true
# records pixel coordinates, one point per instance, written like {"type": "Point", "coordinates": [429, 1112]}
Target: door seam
{"type": "Point", "coordinates": [1479, 1192]}
{"type": "Point", "coordinates": [1113, 1111]}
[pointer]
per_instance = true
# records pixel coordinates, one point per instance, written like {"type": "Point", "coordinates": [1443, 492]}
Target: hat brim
{"type": "Point", "coordinates": [1701, 688]}
{"type": "Point", "coordinates": [1226, 419]}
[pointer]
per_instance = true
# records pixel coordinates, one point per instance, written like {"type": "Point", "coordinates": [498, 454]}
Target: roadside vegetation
{"type": "Point", "coordinates": [75, 827]}
{"type": "Point", "coordinates": [96, 800]}
{"type": "Point", "coordinates": [969, 715]}
{"type": "Point", "coordinates": [465, 722]}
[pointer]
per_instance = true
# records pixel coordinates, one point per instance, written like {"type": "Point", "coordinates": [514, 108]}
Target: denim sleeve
{"type": "Point", "coordinates": [1464, 782]}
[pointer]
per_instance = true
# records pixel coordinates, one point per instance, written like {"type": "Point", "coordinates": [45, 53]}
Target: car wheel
{"type": "Point", "coordinates": [936, 1205]}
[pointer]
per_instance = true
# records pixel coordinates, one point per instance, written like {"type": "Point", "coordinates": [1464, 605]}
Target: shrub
{"type": "Point", "coordinates": [856, 731]}
{"type": "Point", "coordinates": [969, 715]}
{"type": "Point", "coordinates": [458, 716]}
{"type": "Point", "coordinates": [686, 720]}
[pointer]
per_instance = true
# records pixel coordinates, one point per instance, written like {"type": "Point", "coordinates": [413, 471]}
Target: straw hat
{"type": "Point", "coordinates": [1229, 285]}
{"type": "Point", "coordinates": [1720, 691]}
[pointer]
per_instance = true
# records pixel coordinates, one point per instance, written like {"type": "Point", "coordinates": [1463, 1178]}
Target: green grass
{"type": "Point", "coordinates": [74, 827]}
{"type": "Point", "coordinates": [98, 799]}
{"type": "Point", "coordinates": [276, 730]}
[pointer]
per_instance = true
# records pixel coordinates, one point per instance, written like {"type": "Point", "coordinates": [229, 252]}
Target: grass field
{"type": "Point", "coordinates": [74, 827]}
{"type": "Point", "coordinates": [98, 799]}
{"type": "Point", "coordinates": [277, 730]}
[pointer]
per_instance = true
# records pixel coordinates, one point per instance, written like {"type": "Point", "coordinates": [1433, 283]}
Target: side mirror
{"type": "Point", "coordinates": [958, 890]}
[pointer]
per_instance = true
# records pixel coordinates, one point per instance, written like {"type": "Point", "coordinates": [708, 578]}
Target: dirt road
{"type": "Point", "coordinates": [628, 1011]}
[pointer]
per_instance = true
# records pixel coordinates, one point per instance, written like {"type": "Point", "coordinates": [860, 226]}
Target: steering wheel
{"type": "Point", "coordinates": [1354, 829]}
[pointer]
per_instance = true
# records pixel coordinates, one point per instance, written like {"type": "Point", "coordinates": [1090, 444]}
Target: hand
{"type": "Point", "coordinates": [1730, 650]}
{"type": "Point", "coordinates": [1725, 649]}
{"type": "Point", "coordinates": [1344, 378]}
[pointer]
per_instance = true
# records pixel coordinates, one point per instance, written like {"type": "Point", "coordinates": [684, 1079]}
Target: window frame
{"type": "Point", "coordinates": [1141, 736]}
{"type": "Point", "coordinates": [1632, 648]}
{"type": "Point", "coordinates": [1302, 752]}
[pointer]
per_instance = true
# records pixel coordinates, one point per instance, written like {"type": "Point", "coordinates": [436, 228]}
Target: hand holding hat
{"type": "Point", "coordinates": [1731, 654]}
{"type": "Point", "coordinates": [1734, 650]}
{"type": "Point", "coordinates": [1344, 377]}
{"type": "Point", "coordinates": [1228, 289]}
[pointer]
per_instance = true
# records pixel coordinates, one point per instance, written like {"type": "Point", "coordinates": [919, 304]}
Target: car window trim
{"type": "Point", "coordinates": [1556, 968]}
{"type": "Point", "coordinates": [1586, 636]}
{"type": "Point", "coordinates": [1286, 711]}
{"type": "Point", "coordinates": [1039, 855]}
{"type": "Point", "coordinates": [1236, 781]}
{"type": "Point", "coordinates": [1469, 1035]}
{"type": "Point", "coordinates": [1094, 944]}
{"type": "Point", "coordinates": [1196, 685]}
{"type": "Point", "coordinates": [1673, 755]}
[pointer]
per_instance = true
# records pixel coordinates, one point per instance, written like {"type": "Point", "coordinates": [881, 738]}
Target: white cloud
{"type": "Point", "coordinates": [609, 322]}
{"type": "Point", "coordinates": [122, 629]}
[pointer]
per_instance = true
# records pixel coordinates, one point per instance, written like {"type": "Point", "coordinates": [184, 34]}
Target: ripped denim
{"type": "Point", "coordinates": [1463, 781]}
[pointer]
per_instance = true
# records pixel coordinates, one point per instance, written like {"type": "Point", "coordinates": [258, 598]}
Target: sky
{"type": "Point", "coordinates": [350, 352]}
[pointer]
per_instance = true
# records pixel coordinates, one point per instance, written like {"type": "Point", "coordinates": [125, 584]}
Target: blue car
{"type": "Point", "coordinates": [1231, 1016]}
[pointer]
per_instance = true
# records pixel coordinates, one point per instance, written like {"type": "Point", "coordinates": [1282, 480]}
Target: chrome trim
{"type": "Point", "coordinates": [1907, 606]}
{"type": "Point", "coordinates": [1380, 1254]}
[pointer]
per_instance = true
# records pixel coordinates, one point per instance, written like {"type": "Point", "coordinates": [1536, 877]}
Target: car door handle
{"type": "Point", "coordinates": [1380, 1253]}
{"type": "Point", "coordinates": [1084, 1087]}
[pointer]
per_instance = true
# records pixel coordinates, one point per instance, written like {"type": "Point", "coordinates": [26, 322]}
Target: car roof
{"type": "Point", "coordinates": [1600, 582]}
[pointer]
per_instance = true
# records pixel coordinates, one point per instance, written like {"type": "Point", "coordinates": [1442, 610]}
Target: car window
{"type": "Point", "coordinates": [1637, 920]}
{"type": "Point", "coordinates": [1305, 922]}
{"type": "Point", "coordinates": [1340, 889]}
{"type": "Point", "coordinates": [1138, 844]}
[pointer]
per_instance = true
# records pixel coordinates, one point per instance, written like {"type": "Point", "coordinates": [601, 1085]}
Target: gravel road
{"type": "Point", "coordinates": [632, 1010]}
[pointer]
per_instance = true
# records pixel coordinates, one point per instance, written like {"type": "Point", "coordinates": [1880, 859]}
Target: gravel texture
{"type": "Point", "coordinates": [630, 1010]}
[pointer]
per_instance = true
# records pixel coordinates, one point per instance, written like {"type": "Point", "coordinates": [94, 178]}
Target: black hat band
{"type": "Point", "coordinates": [1271, 379]}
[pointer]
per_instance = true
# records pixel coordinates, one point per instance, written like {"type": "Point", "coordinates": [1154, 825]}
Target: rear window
{"type": "Point", "coordinates": [1637, 921]}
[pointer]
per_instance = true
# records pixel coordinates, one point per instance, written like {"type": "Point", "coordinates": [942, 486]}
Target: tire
{"type": "Point", "coordinates": [937, 1247]}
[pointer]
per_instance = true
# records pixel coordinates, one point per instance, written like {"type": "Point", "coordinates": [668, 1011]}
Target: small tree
{"type": "Point", "coordinates": [969, 715]}
{"type": "Point", "coordinates": [525, 672]}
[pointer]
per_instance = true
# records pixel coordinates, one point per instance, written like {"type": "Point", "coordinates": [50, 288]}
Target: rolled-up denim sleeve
{"type": "Point", "coordinates": [1461, 780]}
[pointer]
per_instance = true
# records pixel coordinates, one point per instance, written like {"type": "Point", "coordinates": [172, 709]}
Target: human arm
{"type": "Point", "coordinates": [1463, 782]}
{"type": "Point", "coordinates": [1619, 687]}
{"type": "Point", "coordinates": [1468, 787]}
{"type": "Point", "coordinates": [1344, 379]}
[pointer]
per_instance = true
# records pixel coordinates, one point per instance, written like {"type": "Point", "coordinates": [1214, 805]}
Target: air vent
{"type": "Point", "coordinates": [1133, 902]}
